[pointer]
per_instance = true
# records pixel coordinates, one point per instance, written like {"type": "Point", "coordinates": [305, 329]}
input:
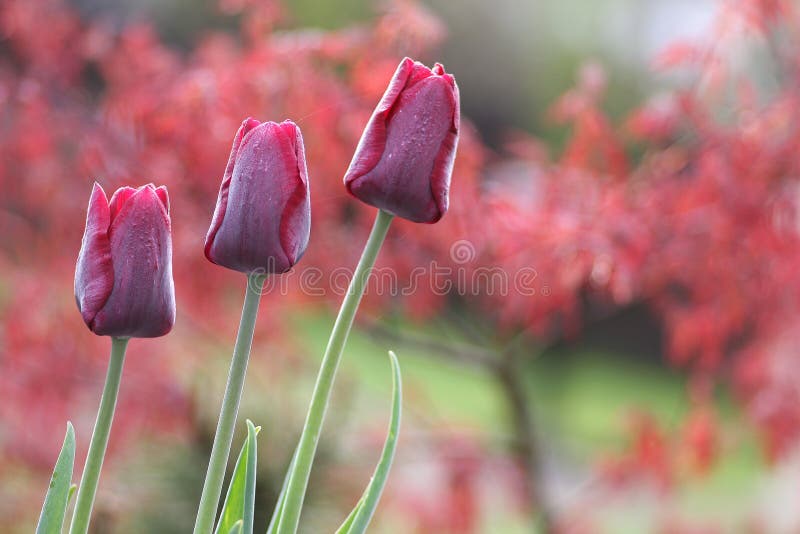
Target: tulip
{"type": "Point", "coordinates": [260, 226]}
{"type": "Point", "coordinates": [123, 279]}
{"type": "Point", "coordinates": [402, 166]}
{"type": "Point", "coordinates": [404, 160]}
{"type": "Point", "coordinates": [263, 217]}
{"type": "Point", "coordinates": [124, 289]}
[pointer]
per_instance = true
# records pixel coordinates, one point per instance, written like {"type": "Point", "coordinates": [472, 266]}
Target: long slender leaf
{"type": "Point", "coordinates": [358, 520]}
{"type": "Point", "coordinates": [276, 515]}
{"type": "Point", "coordinates": [250, 479]}
{"type": "Point", "coordinates": [236, 528]}
{"type": "Point", "coordinates": [234, 508]}
{"type": "Point", "coordinates": [348, 522]}
{"type": "Point", "coordinates": [51, 520]}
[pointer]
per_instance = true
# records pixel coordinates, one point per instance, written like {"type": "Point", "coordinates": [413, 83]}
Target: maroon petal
{"type": "Point", "coordinates": [443, 165]}
{"type": "Point", "coordinates": [419, 143]}
{"type": "Point", "coordinates": [119, 198]}
{"type": "Point", "coordinates": [295, 224]}
{"type": "Point", "coordinates": [404, 159]}
{"type": "Point", "coordinates": [372, 143]}
{"type": "Point", "coordinates": [418, 73]}
{"type": "Point", "coordinates": [265, 178]}
{"type": "Point", "coordinates": [222, 201]}
{"type": "Point", "coordinates": [163, 196]}
{"type": "Point", "coordinates": [142, 302]}
{"type": "Point", "coordinates": [94, 273]}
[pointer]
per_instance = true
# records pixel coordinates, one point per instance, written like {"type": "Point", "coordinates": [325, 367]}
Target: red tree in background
{"type": "Point", "coordinates": [700, 225]}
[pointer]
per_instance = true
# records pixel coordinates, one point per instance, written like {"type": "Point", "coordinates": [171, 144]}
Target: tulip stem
{"type": "Point", "coordinates": [97, 447]}
{"type": "Point", "coordinates": [212, 487]}
{"type": "Point", "coordinates": [306, 449]}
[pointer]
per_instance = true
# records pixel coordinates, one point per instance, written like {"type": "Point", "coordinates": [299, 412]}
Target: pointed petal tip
{"type": "Point", "coordinates": [438, 70]}
{"type": "Point", "coordinates": [147, 190]}
{"type": "Point", "coordinates": [290, 129]}
{"type": "Point", "coordinates": [119, 199]}
{"type": "Point", "coordinates": [97, 193]}
{"type": "Point", "coordinates": [406, 67]}
{"type": "Point", "coordinates": [163, 196]}
{"type": "Point", "coordinates": [248, 124]}
{"type": "Point", "coordinates": [245, 133]}
{"type": "Point", "coordinates": [415, 71]}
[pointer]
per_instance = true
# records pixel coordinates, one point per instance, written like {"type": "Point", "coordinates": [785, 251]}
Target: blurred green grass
{"type": "Point", "coordinates": [581, 400]}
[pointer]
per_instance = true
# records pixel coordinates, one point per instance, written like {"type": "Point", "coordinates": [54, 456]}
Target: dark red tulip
{"type": "Point", "coordinates": [263, 214]}
{"type": "Point", "coordinates": [123, 280]}
{"type": "Point", "coordinates": [404, 160]}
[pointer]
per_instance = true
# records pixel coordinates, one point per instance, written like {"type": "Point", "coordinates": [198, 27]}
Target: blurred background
{"type": "Point", "coordinates": [609, 344]}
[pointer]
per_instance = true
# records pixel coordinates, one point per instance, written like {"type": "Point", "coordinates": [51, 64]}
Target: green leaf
{"type": "Point", "coordinates": [236, 528]}
{"type": "Point", "coordinates": [51, 520]}
{"type": "Point", "coordinates": [240, 498]}
{"type": "Point", "coordinates": [276, 515]}
{"type": "Point", "coordinates": [348, 522]}
{"type": "Point", "coordinates": [250, 479]}
{"type": "Point", "coordinates": [359, 518]}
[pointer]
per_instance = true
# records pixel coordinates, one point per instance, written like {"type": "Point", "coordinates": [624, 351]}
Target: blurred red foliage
{"type": "Point", "coordinates": [690, 206]}
{"type": "Point", "coordinates": [702, 226]}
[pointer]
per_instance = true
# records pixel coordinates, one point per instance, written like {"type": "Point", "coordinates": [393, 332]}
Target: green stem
{"type": "Point", "coordinates": [307, 447]}
{"type": "Point", "coordinates": [212, 487]}
{"type": "Point", "coordinates": [97, 447]}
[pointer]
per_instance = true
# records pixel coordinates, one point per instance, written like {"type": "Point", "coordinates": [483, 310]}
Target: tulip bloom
{"type": "Point", "coordinates": [263, 215]}
{"type": "Point", "coordinates": [404, 160]}
{"type": "Point", "coordinates": [123, 279]}
{"type": "Point", "coordinates": [261, 225]}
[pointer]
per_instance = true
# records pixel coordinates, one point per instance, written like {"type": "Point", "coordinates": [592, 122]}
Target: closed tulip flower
{"type": "Point", "coordinates": [123, 279]}
{"type": "Point", "coordinates": [404, 160]}
{"type": "Point", "coordinates": [263, 216]}
{"type": "Point", "coordinates": [260, 226]}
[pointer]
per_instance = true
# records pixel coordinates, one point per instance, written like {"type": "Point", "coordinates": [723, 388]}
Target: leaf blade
{"type": "Point", "coordinates": [236, 528]}
{"type": "Point", "coordinates": [234, 507]}
{"type": "Point", "coordinates": [276, 515]}
{"type": "Point", "coordinates": [362, 513]}
{"type": "Point", "coordinates": [250, 480]}
{"type": "Point", "coordinates": [51, 519]}
{"type": "Point", "coordinates": [348, 522]}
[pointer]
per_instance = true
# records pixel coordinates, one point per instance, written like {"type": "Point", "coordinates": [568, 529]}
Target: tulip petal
{"type": "Point", "coordinates": [295, 220]}
{"type": "Point", "coordinates": [222, 201]}
{"type": "Point", "coordinates": [443, 166]}
{"type": "Point", "coordinates": [401, 181]}
{"type": "Point", "coordinates": [163, 196]}
{"type": "Point", "coordinates": [372, 142]}
{"type": "Point", "coordinates": [263, 188]}
{"type": "Point", "coordinates": [142, 302]}
{"type": "Point", "coordinates": [118, 199]}
{"type": "Point", "coordinates": [94, 273]}
{"type": "Point", "coordinates": [404, 159]}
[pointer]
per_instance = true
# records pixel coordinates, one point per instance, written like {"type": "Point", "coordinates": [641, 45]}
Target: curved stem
{"type": "Point", "coordinates": [212, 487]}
{"type": "Point", "coordinates": [306, 449]}
{"type": "Point", "coordinates": [97, 447]}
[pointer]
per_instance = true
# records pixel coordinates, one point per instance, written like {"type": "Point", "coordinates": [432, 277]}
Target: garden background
{"type": "Point", "coordinates": [603, 336]}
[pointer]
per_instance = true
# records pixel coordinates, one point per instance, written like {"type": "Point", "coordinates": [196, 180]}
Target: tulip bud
{"type": "Point", "coordinates": [404, 160]}
{"type": "Point", "coordinates": [263, 215]}
{"type": "Point", "coordinates": [123, 279]}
